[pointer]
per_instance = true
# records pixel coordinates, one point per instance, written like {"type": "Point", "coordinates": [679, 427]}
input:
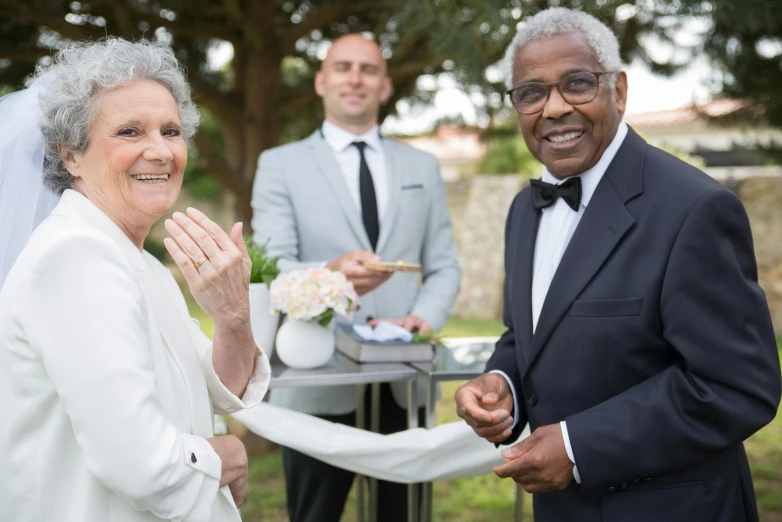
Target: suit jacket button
{"type": "Point", "coordinates": [193, 458]}
{"type": "Point", "coordinates": [636, 481]}
{"type": "Point", "coordinates": [623, 485]}
{"type": "Point", "coordinates": [532, 400]}
{"type": "Point", "coordinates": [611, 489]}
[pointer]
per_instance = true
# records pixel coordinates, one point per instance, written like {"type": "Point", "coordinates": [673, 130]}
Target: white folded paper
{"type": "Point", "coordinates": [384, 331]}
{"type": "Point", "coordinates": [446, 452]}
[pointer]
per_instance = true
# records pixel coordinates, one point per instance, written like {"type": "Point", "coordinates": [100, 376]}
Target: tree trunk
{"type": "Point", "coordinates": [261, 89]}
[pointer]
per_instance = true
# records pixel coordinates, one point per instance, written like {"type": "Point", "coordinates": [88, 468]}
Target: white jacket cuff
{"type": "Point", "coordinates": [569, 450]}
{"type": "Point", "coordinates": [513, 392]}
{"type": "Point", "coordinates": [201, 456]}
{"type": "Point", "coordinates": [226, 402]}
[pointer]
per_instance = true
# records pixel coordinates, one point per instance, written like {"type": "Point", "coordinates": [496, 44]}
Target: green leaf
{"type": "Point", "coordinates": [325, 318]}
{"type": "Point", "coordinates": [264, 267]}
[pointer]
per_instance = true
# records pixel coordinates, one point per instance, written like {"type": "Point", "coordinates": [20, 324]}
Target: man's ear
{"type": "Point", "coordinates": [387, 90]}
{"type": "Point", "coordinates": [620, 92]}
{"type": "Point", "coordinates": [69, 160]}
{"type": "Point", "coordinates": [319, 88]}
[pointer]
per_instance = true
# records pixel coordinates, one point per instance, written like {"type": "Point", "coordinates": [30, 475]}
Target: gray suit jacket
{"type": "Point", "coordinates": [301, 206]}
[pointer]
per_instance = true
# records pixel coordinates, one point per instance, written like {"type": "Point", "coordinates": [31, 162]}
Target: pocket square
{"type": "Point", "coordinates": [411, 187]}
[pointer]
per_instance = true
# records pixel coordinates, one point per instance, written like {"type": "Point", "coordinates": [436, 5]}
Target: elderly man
{"type": "Point", "coordinates": [639, 345]}
{"type": "Point", "coordinates": [342, 197]}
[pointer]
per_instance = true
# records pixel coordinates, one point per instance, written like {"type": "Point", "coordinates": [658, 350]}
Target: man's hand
{"type": "Point", "coordinates": [411, 323]}
{"type": "Point", "coordinates": [485, 404]}
{"type": "Point", "coordinates": [363, 279]}
{"type": "Point", "coordinates": [540, 462]}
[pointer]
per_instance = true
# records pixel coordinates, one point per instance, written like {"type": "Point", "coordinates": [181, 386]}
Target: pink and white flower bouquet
{"type": "Point", "coordinates": [313, 294]}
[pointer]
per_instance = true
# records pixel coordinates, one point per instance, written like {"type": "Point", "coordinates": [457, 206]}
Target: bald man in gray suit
{"type": "Point", "coordinates": [340, 198]}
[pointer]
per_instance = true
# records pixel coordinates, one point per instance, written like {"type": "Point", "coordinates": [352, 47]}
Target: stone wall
{"type": "Point", "coordinates": [762, 198]}
{"type": "Point", "coordinates": [480, 205]}
{"type": "Point", "coordinates": [479, 216]}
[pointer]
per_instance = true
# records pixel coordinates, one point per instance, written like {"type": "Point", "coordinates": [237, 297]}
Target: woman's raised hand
{"type": "Point", "coordinates": [215, 265]}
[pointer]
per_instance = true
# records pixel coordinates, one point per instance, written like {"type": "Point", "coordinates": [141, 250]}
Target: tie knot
{"type": "Point", "coordinates": [360, 145]}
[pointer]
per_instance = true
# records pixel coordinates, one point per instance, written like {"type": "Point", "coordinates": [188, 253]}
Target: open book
{"type": "Point", "coordinates": [360, 350]}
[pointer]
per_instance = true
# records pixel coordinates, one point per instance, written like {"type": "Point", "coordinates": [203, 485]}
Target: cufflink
{"type": "Point", "coordinates": [193, 458]}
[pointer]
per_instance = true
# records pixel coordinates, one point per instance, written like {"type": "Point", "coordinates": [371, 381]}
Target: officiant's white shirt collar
{"type": "Point", "coordinates": [591, 177]}
{"type": "Point", "coordinates": [73, 204]}
{"type": "Point", "coordinates": [339, 139]}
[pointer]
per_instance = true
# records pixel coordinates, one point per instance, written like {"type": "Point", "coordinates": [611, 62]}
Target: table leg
{"type": "Point", "coordinates": [431, 420]}
{"type": "Point", "coordinates": [412, 422]}
{"type": "Point", "coordinates": [374, 425]}
{"type": "Point", "coordinates": [518, 516]}
{"type": "Point", "coordinates": [360, 412]}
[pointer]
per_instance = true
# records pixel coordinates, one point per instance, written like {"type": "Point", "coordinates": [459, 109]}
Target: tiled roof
{"type": "Point", "coordinates": [714, 109]}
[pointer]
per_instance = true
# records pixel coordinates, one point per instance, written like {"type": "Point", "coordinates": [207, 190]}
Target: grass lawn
{"type": "Point", "coordinates": [488, 499]}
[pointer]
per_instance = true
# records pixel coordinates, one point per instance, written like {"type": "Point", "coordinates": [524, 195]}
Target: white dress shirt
{"type": "Point", "coordinates": [557, 225]}
{"type": "Point", "coordinates": [349, 162]}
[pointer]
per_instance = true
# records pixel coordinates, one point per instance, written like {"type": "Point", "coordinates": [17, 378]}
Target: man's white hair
{"type": "Point", "coordinates": [560, 20]}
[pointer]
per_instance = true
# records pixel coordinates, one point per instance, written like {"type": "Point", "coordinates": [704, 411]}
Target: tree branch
{"type": "Point", "coordinates": [233, 12]}
{"type": "Point", "coordinates": [320, 18]}
{"type": "Point", "coordinates": [226, 106]}
{"type": "Point", "coordinates": [218, 167]}
{"type": "Point", "coordinates": [123, 18]}
{"type": "Point", "coordinates": [23, 55]}
{"type": "Point", "coordinates": [55, 23]}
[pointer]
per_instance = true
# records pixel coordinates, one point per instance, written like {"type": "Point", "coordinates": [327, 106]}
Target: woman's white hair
{"type": "Point", "coordinates": [81, 71]}
{"type": "Point", "coordinates": [560, 20]}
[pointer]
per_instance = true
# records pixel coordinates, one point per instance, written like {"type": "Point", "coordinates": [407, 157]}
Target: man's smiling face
{"type": "Point", "coordinates": [568, 139]}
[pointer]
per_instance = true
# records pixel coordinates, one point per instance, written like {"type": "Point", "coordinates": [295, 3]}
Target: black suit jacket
{"type": "Point", "coordinates": [654, 343]}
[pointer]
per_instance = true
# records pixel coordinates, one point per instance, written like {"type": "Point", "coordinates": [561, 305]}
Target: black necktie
{"type": "Point", "coordinates": [368, 199]}
{"type": "Point", "coordinates": [546, 194]}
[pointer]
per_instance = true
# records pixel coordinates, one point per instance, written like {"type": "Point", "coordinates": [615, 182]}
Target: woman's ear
{"type": "Point", "coordinates": [69, 160]}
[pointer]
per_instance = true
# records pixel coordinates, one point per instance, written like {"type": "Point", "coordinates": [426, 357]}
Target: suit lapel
{"type": "Point", "coordinates": [605, 222]}
{"type": "Point", "coordinates": [394, 184]}
{"type": "Point", "coordinates": [523, 266]}
{"type": "Point", "coordinates": [328, 166]}
{"type": "Point", "coordinates": [174, 329]}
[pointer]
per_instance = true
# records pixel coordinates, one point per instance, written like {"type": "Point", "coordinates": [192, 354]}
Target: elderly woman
{"type": "Point", "coordinates": [107, 387]}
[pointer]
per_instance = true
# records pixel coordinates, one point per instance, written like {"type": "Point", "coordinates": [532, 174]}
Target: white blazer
{"type": "Point", "coordinates": [107, 389]}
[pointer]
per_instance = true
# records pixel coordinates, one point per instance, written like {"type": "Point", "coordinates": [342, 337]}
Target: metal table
{"type": "Point", "coordinates": [458, 359]}
{"type": "Point", "coordinates": [344, 371]}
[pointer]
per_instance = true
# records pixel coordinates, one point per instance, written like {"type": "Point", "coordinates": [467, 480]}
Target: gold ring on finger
{"type": "Point", "coordinates": [201, 262]}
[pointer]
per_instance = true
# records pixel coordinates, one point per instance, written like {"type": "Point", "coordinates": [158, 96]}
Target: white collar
{"type": "Point", "coordinates": [591, 177]}
{"type": "Point", "coordinates": [339, 139]}
{"type": "Point", "coordinates": [75, 204]}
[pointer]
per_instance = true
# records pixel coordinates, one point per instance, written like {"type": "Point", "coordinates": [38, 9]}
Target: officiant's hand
{"type": "Point", "coordinates": [539, 463]}
{"type": "Point", "coordinates": [352, 265]}
{"type": "Point", "coordinates": [411, 323]}
{"type": "Point", "coordinates": [486, 403]}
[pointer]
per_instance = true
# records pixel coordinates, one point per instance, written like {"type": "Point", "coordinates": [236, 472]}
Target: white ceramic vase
{"type": "Point", "coordinates": [263, 323]}
{"type": "Point", "coordinates": [304, 344]}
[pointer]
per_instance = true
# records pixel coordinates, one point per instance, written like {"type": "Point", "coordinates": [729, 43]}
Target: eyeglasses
{"type": "Point", "coordinates": [576, 89]}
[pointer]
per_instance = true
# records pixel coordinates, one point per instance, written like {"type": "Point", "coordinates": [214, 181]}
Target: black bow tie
{"type": "Point", "coordinates": [546, 194]}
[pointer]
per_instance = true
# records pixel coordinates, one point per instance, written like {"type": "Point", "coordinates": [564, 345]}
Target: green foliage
{"type": "Point", "coordinates": [157, 249]}
{"type": "Point", "coordinates": [264, 268]}
{"type": "Point", "coordinates": [264, 95]}
{"type": "Point", "coordinates": [325, 318]}
{"type": "Point", "coordinates": [695, 161]}
{"type": "Point", "coordinates": [509, 155]}
{"type": "Point", "coordinates": [198, 181]}
{"type": "Point", "coordinates": [506, 152]}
